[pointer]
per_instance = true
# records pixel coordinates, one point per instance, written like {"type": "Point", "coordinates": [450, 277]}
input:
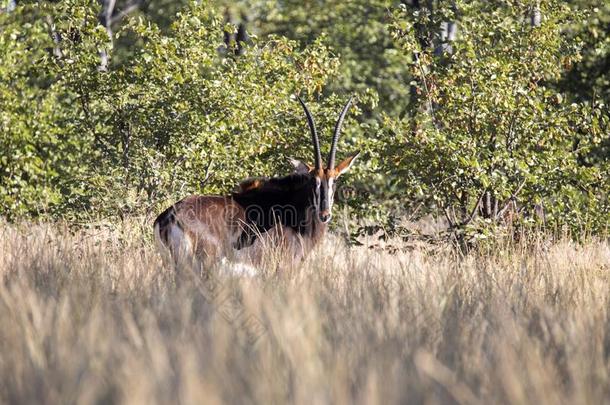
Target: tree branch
{"type": "Point", "coordinates": [451, 222]}
{"type": "Point", "coordinates": [512, 198]}
{"type": "Point", "coordinates": [106, 21]}
{"type": "Point", "coordinates": [474, 211]}
{"type": "Point", "coordinates": [129, 8]}
{"type": "Point", "coordinates": [56, 38]}
{"type": "Point", "coordinates": [208, 174]}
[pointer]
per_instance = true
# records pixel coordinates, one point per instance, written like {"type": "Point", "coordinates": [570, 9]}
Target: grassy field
{"type": "Point", "coordinates": [93, 316]}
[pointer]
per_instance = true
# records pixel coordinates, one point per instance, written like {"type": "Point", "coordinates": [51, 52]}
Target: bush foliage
{"type": "Point", "coordinates": [180, 109]}
{"type": "Point", "coordinates": [488, 123]}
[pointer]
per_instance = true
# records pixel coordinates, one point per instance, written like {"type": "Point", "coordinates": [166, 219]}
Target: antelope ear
{"type": "Point", "coordinates": [346, 164]}
{"type": "Point", "coordinates": [300, 167]}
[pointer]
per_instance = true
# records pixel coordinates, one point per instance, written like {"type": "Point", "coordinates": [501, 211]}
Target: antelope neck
{"type": "Point", "coordinates": [288, 201]}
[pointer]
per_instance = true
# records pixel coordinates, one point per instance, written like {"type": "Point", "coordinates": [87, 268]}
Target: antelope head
{"type": "Point", "coordinates": [323, 178]}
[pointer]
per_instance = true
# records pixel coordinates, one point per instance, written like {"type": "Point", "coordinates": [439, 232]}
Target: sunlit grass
{"type": "Point", "coordinates": [95, 316]}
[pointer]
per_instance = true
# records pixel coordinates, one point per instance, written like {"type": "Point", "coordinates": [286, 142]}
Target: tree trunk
{"type": "Point", "coordinates": [56, 38]}
{"type": "Point", "coordinates": [11, 5]}
{"type": "Point", "coordinates": [106, 22]}
{"type": "Point", "coordinates": [536, 16]}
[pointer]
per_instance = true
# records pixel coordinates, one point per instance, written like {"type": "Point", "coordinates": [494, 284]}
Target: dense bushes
{"type": "Point", "coordinates": [488, 124]}
{"type": "Point", "coordinates": [178, 111]}
{"type": "Point", "coordinates": [75, 138]}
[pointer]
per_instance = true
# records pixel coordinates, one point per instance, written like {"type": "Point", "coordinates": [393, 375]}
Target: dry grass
{"type": "Point", "coordinates": [94, 316]}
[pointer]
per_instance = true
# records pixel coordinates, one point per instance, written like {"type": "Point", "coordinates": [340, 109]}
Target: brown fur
{"type": "Point", "coordinates": [290, 211]}
{"type": "Point", "coordinates": [213, 226]}
{"type": "Point", "coordinates": [211, 223]}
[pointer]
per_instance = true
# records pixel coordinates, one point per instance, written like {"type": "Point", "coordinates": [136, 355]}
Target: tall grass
{"type": "Point", "coordinates": [94, 316]}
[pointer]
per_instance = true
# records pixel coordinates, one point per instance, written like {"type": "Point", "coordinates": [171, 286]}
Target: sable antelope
{"type": "Point", "coordinates": [293, 210]}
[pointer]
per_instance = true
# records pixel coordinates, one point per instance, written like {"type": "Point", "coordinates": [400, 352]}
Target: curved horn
{"type": "Point", "coordinates": [333, 145]}
{"type": "Point", "coordinates": [314, 136]}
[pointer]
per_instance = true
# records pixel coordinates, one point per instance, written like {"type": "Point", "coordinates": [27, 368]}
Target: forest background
{"type": "Point", "coordinates": [117, 108]}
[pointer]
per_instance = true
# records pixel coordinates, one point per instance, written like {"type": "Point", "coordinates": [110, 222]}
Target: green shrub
{"type": "Point", "coordinates": [78, 141]}
{"type": "Point", "coordinates": [489, 126]}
